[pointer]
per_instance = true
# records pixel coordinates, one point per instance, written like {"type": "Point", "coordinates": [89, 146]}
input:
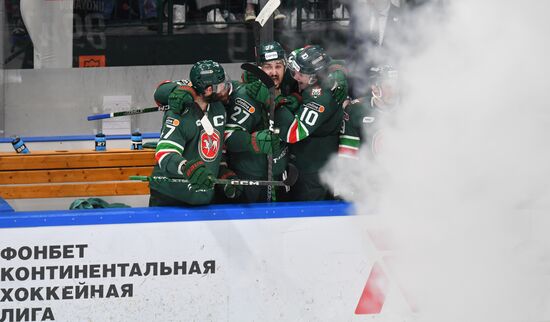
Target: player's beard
{"type": "Point", "coordinates": [217, 97]}
{"type": "Point", "coordinates": [277, 79]}
{"type": "Point", "coordinates": [211, 98]}
{"type": "Point", "coordinates": [223, 97]}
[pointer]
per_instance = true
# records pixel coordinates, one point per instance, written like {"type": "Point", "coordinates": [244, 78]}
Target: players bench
{"type": "Point", "coordinates": [76, 173]}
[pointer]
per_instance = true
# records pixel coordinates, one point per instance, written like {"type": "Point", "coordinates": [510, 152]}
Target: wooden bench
{"type": "Point", "coordinates": [78, 173]}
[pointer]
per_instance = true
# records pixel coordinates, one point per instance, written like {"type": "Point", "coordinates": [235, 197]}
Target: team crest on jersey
{"type": "Point", "coordinates": [172, 121]}
{"type": "Point", "coordinates": [316, 107]}
{"type": "Point", "coordinates": [245, 105]}
{"type": "Point", "coordinates": [316, 92]}
{"type": "Point", "coordinates": [209, 145]}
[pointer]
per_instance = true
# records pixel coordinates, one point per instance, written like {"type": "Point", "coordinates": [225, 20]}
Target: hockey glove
{"type": "Point", "coordinates": [248, 77]}
{"type": "Point", "coordinates": [264, 142]}
{"type": "Point", "coordinates": [338, 85]}
{"type": "Point", "coordinates": [292, 102]}
{"type": "Point", "coordinates": [258, 91]}
{"type": "Point", "coordinates": [200, 178]}
{"type": "Point", "coordinates": [180, 97]}
{"type": "Point", "coordinates": [230, 191]}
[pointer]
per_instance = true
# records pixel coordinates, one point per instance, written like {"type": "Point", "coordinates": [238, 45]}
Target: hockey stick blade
{"type": "Point", "coordinates": [258, 72]}
{"type": "Point", "coordinates": [291, 175]}
{"type": "Point", "coordinates": [127, 113]}
{"type": "Point", "coordinates": [235, 182]}
{"type": "Point", "coordinates": [267, 11]}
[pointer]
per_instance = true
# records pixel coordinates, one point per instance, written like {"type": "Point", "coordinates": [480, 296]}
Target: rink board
{"type": "Point", "coordinates": [295, 261]}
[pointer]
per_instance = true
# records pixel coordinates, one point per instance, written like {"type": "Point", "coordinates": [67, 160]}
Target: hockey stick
{"type": "Point", "coordinates": [289, 181]}
{"type": "Point", "coordinates": [264, 15]}
{"type": "Point", "coordinates": [270, 84]}
{"type": "Point", "coordinates": [266, 12]}
{"type": "Point", "coordinates": [129, 112]}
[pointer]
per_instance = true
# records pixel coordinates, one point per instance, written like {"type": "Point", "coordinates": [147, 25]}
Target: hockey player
{"type": "Point", "coordinates": [362, 117]}
{"type": "Point", "coordinates": [312, 127]}
{"type": "Point", "coordinates": [191, 137]}
{"type": "Point", "coordinates": [285, 84]}
{"type": "Point", "coordinates": [247, 138]}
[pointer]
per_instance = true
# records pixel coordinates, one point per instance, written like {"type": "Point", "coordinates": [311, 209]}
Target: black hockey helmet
{"type": "Point", "coordinates": [310, 60]}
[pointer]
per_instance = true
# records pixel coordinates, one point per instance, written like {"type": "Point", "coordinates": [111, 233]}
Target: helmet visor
{"type": "Point", "coordinates": [223, 86]}
{"type": "Point", "coordinates": [292, 67]}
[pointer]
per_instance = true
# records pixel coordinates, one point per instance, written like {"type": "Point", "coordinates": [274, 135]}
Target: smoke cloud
{"type": "Point", "coordinates": [462, 183]}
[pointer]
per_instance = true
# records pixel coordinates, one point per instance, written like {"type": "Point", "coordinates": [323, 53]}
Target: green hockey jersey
{"type": "Point", "coordinates": [246, 116]}
{"type": "Point", "coordinates": [187, 136]}
{"type": "Point", "coordinates": [361, 126]}
{"type": "Point", "coordinates": [313, 130]}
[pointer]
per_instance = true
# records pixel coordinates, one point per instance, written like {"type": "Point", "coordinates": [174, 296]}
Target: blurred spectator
{"type": "Point", "coordinates": [304, 10]}
{"type": "Point", "coordinates": [108, 9]}
{"type": "Point", "coordinates": [20, 41]}
{"type": "Point", "coordinates": [211, 8]}
{"type": "Point", "coordinates": [179, 10]}
{"type": "Point", "coordinates": [180, 14]}
{"type": "Point", "coordinates": [317, 9]}
{"type": "Point", "coordinates": [213, 12]}
{"type": "Point", "coordinates": [15, 22]}
{"type": "Point", "coordinates": [341, 11]}
{"type": "Point", "coordinates": [50, 26]}
{"type": "Point", "coordinates": [126, 10]}
{"type": "Point", "coordinates": [373, 23]}
{"type": "Point", "coordinates": [148, 10]}
{"type": "Point", "coordinates": [377, 19]}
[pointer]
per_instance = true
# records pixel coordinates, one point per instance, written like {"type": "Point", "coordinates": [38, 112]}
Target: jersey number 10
{"type": "Point", "coordinates": [309, 116]}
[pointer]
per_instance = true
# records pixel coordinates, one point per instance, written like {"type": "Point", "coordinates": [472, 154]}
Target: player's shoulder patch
{"type": "Point", "coordinates": [172, 121]}
{"type": "Point", "coordinates": [184, 82]}
{"type": "Point", "coordinates": [244, 104]}
{"type": "Point", "coordinates": [315, 106]}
